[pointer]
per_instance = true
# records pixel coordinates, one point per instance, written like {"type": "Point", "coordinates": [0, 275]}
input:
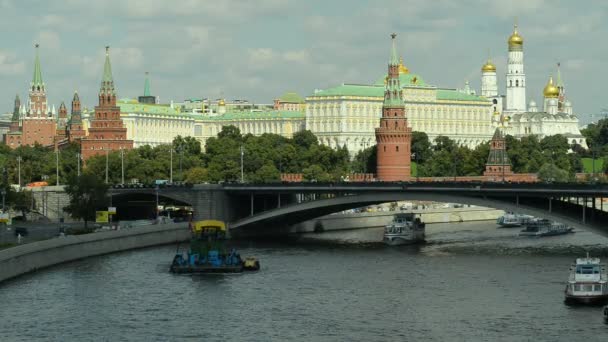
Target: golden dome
{"type": "Point", "coordinates": [402, 68]}
{"type": "Point", "coordinates": [551, 91]}
{"type": "Point", "coordinates": [221, 102]}
{"type": "Point", "coordinates": [488, 67]}
{"type": "Point", "coordinates": [515, 40]}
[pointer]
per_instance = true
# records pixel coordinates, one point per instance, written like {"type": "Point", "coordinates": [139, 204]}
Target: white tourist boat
{"type": "Point", "coordinates": [513, 220]}
{"type": "Point", "coordinates": [588, 282]}
{"type": "Point", "coordinates": [543, 227]}
{"type": "Point", "coordinates": [405, 228]}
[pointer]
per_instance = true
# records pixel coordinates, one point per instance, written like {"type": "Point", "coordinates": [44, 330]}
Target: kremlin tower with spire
{"type": "Point", "coordinates": [393, 137]}
{"type": "Point", "coordinates": [106, 132]}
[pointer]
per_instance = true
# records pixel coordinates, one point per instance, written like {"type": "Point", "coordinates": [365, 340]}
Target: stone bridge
{"type": "Point", "coordinates": [251, 209]}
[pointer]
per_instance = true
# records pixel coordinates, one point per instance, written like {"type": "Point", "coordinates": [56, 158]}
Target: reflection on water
{"type": "Point", "coordinates": [470, 282]}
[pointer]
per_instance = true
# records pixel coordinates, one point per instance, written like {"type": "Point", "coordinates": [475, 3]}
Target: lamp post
{"type": "Point", "coordinates": [593, 161]}
{"type": "Point", "coordinates": [57, 165]}
{"type": "Point", "coordinates": [78, 156]}
{"type": "Point", "coordinates": [455, 171]}
{"type": "Point", "coordinates": [171, 164]}
{"type": "Point", "coordinates": [107, 157]}
{"type": "Point", "coordinates": [156, 208]}
{"type": "Point", "coordinates": [242, 169]}
{"type": "Point", "coordinates": [19, 168]}
{"type": "Point", "coordinates": [415, 155]}
{"type": "Point", "coordinates": [364, 146]}
{"type": "Point", "coordinates": [181, 154]}
{"type": "Point", "coordinates": [122, 166]}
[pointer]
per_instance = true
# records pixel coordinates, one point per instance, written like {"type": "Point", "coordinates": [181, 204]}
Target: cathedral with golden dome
{"type": "Point", "coordinates": [510, 110]}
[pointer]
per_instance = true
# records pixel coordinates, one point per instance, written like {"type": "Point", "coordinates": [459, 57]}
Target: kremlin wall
{"type": "Point", "coordinates": [353, 115]}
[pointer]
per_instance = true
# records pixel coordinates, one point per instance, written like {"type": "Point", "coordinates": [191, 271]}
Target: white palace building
{"type": "Point", "coordinates": [347, 114]}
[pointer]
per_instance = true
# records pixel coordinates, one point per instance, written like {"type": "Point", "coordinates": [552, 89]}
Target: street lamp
{"type": "Point", "coordinates": [107, 157]}
{"type": "Point", "coordinates": [57, 165]}
{"type": "Point", "coordinates": [78, 156]}
{"type": "Point", "coordinates": [364, 146]}
{"type": "Point", "coordinates": [171, 164]}
{"type": "Point", "coordinates": [19, 167]}
{"type": "Point", "coordinates": [242, 170]}
{"type": "Point", "coordinates": [156, 208]}
{"type": "Point", "coordinates": [415, 155]}
{"type": "Point", "coordinates": [122, 166]}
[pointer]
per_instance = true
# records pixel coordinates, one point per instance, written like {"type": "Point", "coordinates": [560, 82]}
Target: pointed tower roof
{"type": "Point", "coordinates": [394, 56]}
{"type": "Point", "coordinates": [107, 81]}
{"type": "Point", "coordinates": [498, 152]}
{"type": "Point", "coordinates": [76, 98]}
{"type": "Point", "coordinates": [16, 109]}
{"type": "Point", "coordinates": [147, 85]}
{"type": "Point", "coordinates": [37, 79]}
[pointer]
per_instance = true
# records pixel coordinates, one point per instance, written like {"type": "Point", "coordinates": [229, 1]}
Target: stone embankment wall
{"type": "Point", "coordinates": [382, 218]}
{"type": "Point", "coordinates": [32, 256]}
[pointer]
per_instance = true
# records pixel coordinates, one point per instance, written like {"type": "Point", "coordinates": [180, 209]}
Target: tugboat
{"type": "Point", "coordinates": [404, 229]}
{"type": "Point", "coordinates": [208, 252]}
{"type": "Point", "coordinates": [509, 220]}
{"type": "Point", "coordinates": [543, 227]}
{"type": "Point", "coordinates": [588, 282]}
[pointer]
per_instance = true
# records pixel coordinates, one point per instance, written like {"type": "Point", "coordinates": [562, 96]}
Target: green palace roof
{"type": "Point", "coordinates": [246, 115]}
{"type": "Point", "coordinates": [132, 106]}
{"type": "Point", "coordinates": [455, 95]}
{"type": "Point", "coordinates": [378, 91]}
{"type": "Point", "coordinates": [291, 98]}
{"type": "Point", "coordinates": [352, 90]}
{"type": "Point", "coordinates": [406, 80]}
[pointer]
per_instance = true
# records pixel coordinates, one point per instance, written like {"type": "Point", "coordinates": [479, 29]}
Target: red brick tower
{"type": "Point", "coordinates": [62, 119]}
{"type": "Point", "coordinates": [393, 137]}
{"type": "Point", "coordinates": [74, 129]}
{"type": "Point", "coordinates": [498, 165]}
{"type": "Point", "coordinates": [38, 126]}
{"type": "Point", "coordinates": [106, 131]}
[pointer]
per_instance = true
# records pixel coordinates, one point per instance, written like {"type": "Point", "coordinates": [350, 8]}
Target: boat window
{"type": "Point", "coordinates": [587, 288]}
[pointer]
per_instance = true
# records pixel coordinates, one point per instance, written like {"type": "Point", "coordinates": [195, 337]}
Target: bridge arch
{"type": "Point", "coordinates": [300, 212]}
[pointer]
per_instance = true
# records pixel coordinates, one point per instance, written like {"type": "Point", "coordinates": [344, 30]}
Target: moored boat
{"type": "Point", "coordinates": [208, 252]}
{"type": "Point", "coordinates": [543, 227]}
{"type": "Point", "coordinates": [405, 228]}
{"type": "Point", "coordinates": [509, 220]}
{"type": "Point", "coordinates": [606, 313]}
{"type": "Point", "coordinates": [587, 282]}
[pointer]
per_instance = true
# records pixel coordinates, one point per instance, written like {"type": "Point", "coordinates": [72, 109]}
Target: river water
{"type": "Point", "coordinates": [470, 282]}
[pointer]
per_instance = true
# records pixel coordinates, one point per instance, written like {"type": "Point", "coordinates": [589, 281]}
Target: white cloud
{"type": "Point", "coordinates": [10, 66]}
{"type": "Point", "coordinates": [48, 40]}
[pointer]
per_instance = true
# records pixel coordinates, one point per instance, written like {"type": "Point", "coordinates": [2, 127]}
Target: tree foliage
{"type": "Point", "coordinates": [87, 193]}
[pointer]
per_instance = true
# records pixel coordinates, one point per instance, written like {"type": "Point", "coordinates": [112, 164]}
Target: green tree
{"type": "Point", "coordinates": [188, 145]}
{"type": "Point", "coordinates": [87, 193]}
{"type": "Point", "coordinates": [551, 173]}
{"type": "Point", "coordinates": [421, 146]}
{"type": "Point", "coordinates": [365, 160]}
{"type": "Point", "coordinates": [197, 175]}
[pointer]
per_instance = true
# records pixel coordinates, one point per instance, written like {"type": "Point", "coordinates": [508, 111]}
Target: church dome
{"type": "Point", "coordinates": [221, 102]}
{"type": "Point", "coordinates": [532, 103]}
{"type": "Point", "coordinates": [516, 42]}
{"type": "Point", "coordinates": [402, 68]}
{"type": "Point", "coordinates": [568, 103]}
{"type": "Point", "coordinates": [551, 91]}
{"type": "Point", "coordinates": [488, 67]}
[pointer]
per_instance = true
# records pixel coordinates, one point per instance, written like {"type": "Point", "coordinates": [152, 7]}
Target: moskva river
{"type": "Point", "coordinates": [470, 282]}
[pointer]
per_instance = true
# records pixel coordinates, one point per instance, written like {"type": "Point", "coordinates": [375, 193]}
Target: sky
{"type": "Point", "coordinates": [260, 49]}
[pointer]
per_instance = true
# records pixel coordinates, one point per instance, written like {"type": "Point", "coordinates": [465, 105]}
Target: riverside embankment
{"type": "Point", "coordinates": [364, 220]}
{"type": "Point", "coordinates": [32, 256]}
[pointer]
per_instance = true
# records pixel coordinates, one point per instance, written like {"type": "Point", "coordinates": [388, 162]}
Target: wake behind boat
{"type": "Point", "coordinates": [509, 220]}
{"type": "Point", "coordinates": [404, 229]}
{"type": "Point", "coordinates": [544, 227]}
{"type": "Point", "coordinates": [587, 282]}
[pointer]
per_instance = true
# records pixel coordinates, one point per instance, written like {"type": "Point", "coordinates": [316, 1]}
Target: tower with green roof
{"type": "Point", "coordinates": [107, 131]}
{"type": "Point", "coordinates": [393, 136]}
{"type": "Point", "coordinates": [38, 104]}
{"type": "Point", "coordinates": [147, 98]}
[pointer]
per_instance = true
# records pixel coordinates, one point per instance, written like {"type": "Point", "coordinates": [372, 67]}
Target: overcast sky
{"type": "Point", "coordinates": [260, 49]}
